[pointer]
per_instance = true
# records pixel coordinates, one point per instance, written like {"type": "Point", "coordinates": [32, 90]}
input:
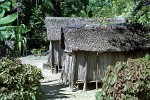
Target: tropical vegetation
{"type": "Point", "coordinates": [19, 81]}
{"type": "Point", "coordinates": [127, 81]}
{"type": "Point", "coordinates": [9, 32]}
{"type": "Point", "coordinates": [22, 25]}
{"type": "Point", "coordinates": [28, 16]}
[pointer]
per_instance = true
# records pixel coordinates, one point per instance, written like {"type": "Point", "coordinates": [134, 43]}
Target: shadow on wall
{"type": "Point", "coordinates": [53, 91]}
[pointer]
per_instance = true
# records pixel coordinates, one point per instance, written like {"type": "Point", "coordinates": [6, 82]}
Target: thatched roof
{"type": "Point", "coordinates": [97, 38]}
{"type": "Point", "coordinates": [54, 24]}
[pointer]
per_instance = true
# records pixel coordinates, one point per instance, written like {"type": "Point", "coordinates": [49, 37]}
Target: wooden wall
{"type": "Point", "coordinates": [90, 66]}
{"type": "Point", "coordinates": [55, 53]}
{"type": "Point", "coordinates": [67, 67]}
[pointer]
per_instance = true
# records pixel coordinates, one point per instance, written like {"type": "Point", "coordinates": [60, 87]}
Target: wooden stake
{"type": "Point", "coordinates": [96, 85]}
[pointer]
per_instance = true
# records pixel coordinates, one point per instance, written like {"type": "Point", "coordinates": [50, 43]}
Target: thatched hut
{"type": "Point", "coordinates": [89, 50]}
{"type": "Point", "coordinates": [54, 25]}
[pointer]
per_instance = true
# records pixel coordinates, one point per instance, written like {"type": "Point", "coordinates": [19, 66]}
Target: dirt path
{"type": "Point", "coordinates": [53, 89]}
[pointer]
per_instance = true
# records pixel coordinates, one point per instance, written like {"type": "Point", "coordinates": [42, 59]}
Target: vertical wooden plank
{"type": "Point", "coordinates": [60, 54]}
{"type": "Point", "coordinates": [67, 68]}
{"type": "Point", "coordinates": [51, 55]}
{"type": "Point", "coordinates": [63, 68]}
{"type": "Point", "coordinates": [70, 67]}
{"type": "Point", "coordinates": [91, 58]}
{"type": "Point", "coordinates": [97, 71]}
{"type": "Point", "coordinates": [80, 66]}
{"type": "Point", "coordinates": [58, 57]}
{"type": "Point", "coordinates": [85, 77]}
{"type": "Point", "coordinates": [55, 47]}
{"type": "Point", "coordinates": [73, 61]}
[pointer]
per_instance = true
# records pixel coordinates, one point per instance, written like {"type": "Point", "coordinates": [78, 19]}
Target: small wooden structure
{"type": "Point", "coordinates": [90, 49]}
{"type": "Point", "coordinates": [54, 25]}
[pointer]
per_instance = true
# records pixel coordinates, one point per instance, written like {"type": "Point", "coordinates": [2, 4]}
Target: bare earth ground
{"type": "Point", "coordinates": [54, 90]}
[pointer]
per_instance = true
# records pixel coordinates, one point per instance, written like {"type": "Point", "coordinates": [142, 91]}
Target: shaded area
{"type": "Point", "coordinates": [90, 86]}
{"type": "Point", "coordinates": [53, 91]}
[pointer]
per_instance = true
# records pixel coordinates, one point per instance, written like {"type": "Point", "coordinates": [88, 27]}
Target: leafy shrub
{"type": "Point", "coordinates": [127, 81]}
{"type": "Point", "coordinates": [19, 81]}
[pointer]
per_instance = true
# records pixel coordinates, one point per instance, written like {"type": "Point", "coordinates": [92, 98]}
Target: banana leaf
{"type": "Point", "coordinates": [3, 28]}
{"type": "Point", "coordinates": [21, 29]}
{"type": "Point", "coordinates": [4, 35]}
{"type": "Point", "coordinates": [2, 14]}
{"type": "Point", "coordinates": [8, 19]}
{"type": "Point", "coordinates": [5, 5]}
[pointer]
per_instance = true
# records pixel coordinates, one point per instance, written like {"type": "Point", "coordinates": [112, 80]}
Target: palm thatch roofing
{"type": "Point", "coordinates": [99, 38]}
{"type": "Point", "coordinates": [54, 24]}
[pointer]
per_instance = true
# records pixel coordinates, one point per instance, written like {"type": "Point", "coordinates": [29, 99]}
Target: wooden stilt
{"type": "Point", "coordinates": [77, 87]}
{"type": "Point", "coordinates": [96, 85]}
{"type": "Point", "coordinates": [84, 86]}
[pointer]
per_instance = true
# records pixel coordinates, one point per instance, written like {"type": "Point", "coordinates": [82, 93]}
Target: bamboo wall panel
{"type": "Point", "coordinates": [50, 54]}
{"type": "Point", "coordinates": [106, 59]}
{"type": "Point", "coordinates": [80, 65]}
{"type": "Point", "coordinates": [67, 68]}
{"type": "Point", "coordinates": [91, 60]}
{"type": "Point", "coordinates": [75, 64]}
{"type": "Point", "coordinates": [55, 54]}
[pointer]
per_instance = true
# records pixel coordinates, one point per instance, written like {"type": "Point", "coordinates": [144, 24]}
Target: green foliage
{"type": "Point", "coordinates": [19, 81]}
{"type": "Point", "coordinates": [127, 81]}
{"type": "Point", "coordinates": [141, 12]}
{"type": "Point", "coordinates": [110, 8]}
{"type": "Point", "coordinates": [9, 32]}
{"type": "Point", "coordinates": [47, 6]}
{"type": "Point", "coordinates": [5, 4]}
{"type": "Point", "coordinates": [5, 28]}
{"type": "Point", "coordinates": [36, 23]}
{"type": "Point", "coordinates": [20, 40]}
{"type": "Point", "coordinates": [74, 8]}
{"type": "Point", "coordinates": [8, 19]}
{"type": "Point", "coordinates": [32, 13]}
{"type": "Point", "coordinates": [125, 8]}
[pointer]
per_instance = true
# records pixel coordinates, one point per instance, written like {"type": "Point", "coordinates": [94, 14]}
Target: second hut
{"type": "Point", "coordinates": [90, 49]}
